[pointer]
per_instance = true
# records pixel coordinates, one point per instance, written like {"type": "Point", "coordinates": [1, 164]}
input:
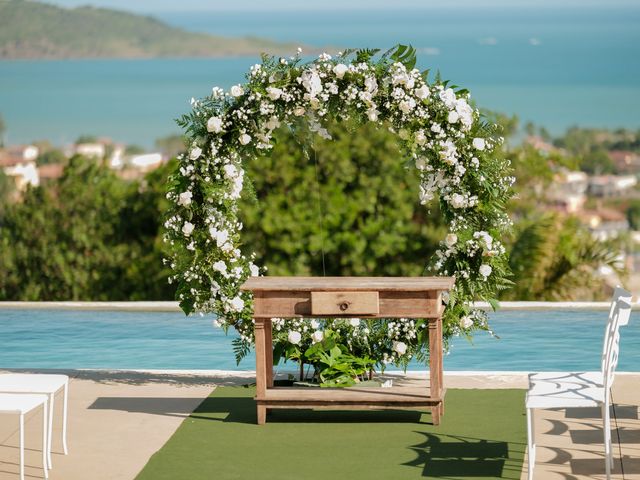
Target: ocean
{"type": "Point", "coordinates": [554, 66]}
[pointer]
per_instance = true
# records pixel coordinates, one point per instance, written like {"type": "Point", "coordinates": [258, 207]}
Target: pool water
{"type": "Point", "coordinates": [529, 341]}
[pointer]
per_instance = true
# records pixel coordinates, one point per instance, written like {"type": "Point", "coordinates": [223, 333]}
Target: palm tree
{"type": "Point", "coordinates": [555, 258]}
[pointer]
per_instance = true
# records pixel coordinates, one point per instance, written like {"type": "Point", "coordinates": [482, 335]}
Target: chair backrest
{"type": "Point", "coordinates": [619, 315]}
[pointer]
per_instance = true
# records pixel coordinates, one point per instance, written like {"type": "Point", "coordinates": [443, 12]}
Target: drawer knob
{"type": "Point", "coordinates": [344, 306]}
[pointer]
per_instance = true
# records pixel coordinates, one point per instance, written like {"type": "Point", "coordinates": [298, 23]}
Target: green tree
{"type": "Point", "coordinates": [633, 214]}
{"type": "Point", "coordinates": [3, 129]}
{"type": "Point", "coordinates": [353, 197]}
{"type": "Point", "coordinates": [553, 258]}
{"type": "Point", "coordinates": [171, 145]}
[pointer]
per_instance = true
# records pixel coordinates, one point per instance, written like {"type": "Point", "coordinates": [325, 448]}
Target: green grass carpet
{"type": "Point", "coordinates": [482, 435]}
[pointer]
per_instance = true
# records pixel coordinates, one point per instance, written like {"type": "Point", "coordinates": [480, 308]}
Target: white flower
{"type": "Point", "coordinates": [184, 198]}
{"type": "Point", "coordinates": [421, 138]}
{"type": "Point", "coordinates": [236, 91]}
{"type": "Point", "coordinates": [317, 336]}
{"type": "Point", "coordinates": [479, 143]}
{"type": "Point", "coordinates": [273, 123]}
{"type": "Point", "coordinates": [354, 322]}
{"type": "Point", "coordinates": [373, 114]}
{"type": "Point", "coordinates": [187, 228]}
{"type": "Point", "coordinates": [371, 84]}
{"type": "Point", "coordinates": [294, 337]}
{"type": "Point", "coordinates": [274, 93]}
{"type": "Point", "coordinates": [214, 125]}
{"type": "Point", "coordinates": [466, 322]}
{"type": "Point", "coordinates": [298, 111]}
{"type": "Point", "coordinates": [237, 304]}
{"type": "Point", "coordinates": [245, 138]}
{"type": "Point", "coordinates": [315, 324]}
{"type": "Point", "coordinates": [453, 116]}
{"type": "Point", "coordinates": [407, 105]}
{"type": "Point", "coordinates": [451, 239]}
{"type": "Point", "coordinates": [457, 201]}
{"type": "Point", "coordinates": [311, 82]}
{"type": "Point", "coordinates": [220, 266]}
{"type": "Point", "coordinates": [195, 153]}
{"type": "Point", "coordinates": [220, 236]}
{"type": "Point", "coordinates": [485, 270]}
{"type": "Point", "coordinates": [340, 69]}
{"type": "Point", "coordinates": [254, 270]}
{"type": "Point", "coordinates": [422, 92]}
{"type": "Point", "coordinates": [421, 163]}
{"type": "Point", "coordinates": [400, 348]}
{"type": "Point", "coordinates": [448, 97]}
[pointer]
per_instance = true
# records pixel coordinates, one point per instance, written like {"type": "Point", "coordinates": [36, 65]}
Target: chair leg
{"type": "Point", "coordinates": [606, 428]}
{"type": "Point", "coordinates": [50, 430]}
{"type": "Point", "coordinates": [531, 442]}
{"type": "Point", "coordinates": [64, 418]}
{"type": "Point", "coordinates": [46, 440]}
{"type": "Point", "coordinates": [21, 446]}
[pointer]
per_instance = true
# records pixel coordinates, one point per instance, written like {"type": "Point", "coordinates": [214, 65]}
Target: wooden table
{"type": "Point", "coordinates": [345, 297]}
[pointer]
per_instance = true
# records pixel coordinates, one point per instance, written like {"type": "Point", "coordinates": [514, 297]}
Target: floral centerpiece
{"type": "Point", "coordinates": [453, 151]}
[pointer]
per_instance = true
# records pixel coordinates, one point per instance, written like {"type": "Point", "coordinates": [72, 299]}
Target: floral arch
{"type": "Point", "coordinates": [450, 144]}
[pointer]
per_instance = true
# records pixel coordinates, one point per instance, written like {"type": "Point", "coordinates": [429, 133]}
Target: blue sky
{"type": "Point", "coordinates": [150, 6]}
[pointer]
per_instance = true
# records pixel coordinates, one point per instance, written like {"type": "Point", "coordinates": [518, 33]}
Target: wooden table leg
{"type": "Point", "coordinates": [268, 333]}
{"type": "Point", "coordinates": [435, 366]}
{"type": "Point", "coordinates": [261, 368]}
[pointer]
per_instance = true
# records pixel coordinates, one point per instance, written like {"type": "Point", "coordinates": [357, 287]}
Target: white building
{"type": "Point", "coordinates": [19, 162]}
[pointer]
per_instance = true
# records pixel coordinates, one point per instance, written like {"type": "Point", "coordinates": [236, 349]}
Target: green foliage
{"type": "Point", "coordinates": [30, 29]}
{"type": "Point", "coordinates": [352, 197]}
{"type": "Point", "coordinates": [88, 236]}
{"type": "Point", "coordinates": [633, 214]}
{"type": "Point", "coordinates": [51, 156]}
{"type": "Point", "coordinates": [554, 258]}
{"type": "Point", "coordinates": [3, 129]}
{"type": "Point", "coordinates": [171, 145]}
{"type": "Point", "coordinates": [7, 188]}
{"type": "Point", "coordinates": [334, 364]}
{"type": "Point", "coordinates": [133, 150]}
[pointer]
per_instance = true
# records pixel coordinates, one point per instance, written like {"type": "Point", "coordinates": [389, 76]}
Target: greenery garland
{"type": "Point", "coordinates": [451, 148]}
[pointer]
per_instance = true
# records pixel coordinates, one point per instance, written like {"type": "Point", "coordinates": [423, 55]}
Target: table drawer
{"type": "Point", "coordinates": [344, 303]}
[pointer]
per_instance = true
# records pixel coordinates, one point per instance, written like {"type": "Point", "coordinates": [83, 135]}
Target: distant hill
{"type": "Point", "coordinates": [30, 29]}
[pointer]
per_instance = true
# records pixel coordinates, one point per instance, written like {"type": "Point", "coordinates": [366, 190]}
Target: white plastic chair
{"type": "Point", "coordinates": [23, 404]}
{"type": "Point", "coordinates": [550, 390]}
{"type": "Point", "coordinates": [45, 384]}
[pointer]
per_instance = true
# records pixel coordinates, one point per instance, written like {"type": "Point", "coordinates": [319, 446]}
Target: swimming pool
{"type": "Point", "coordinates": [68, 339]}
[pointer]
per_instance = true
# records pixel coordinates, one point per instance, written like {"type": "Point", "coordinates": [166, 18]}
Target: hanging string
{"type": "Point", "coordinates": [320, 210]}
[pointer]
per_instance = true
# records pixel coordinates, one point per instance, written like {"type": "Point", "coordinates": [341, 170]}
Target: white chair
{"type": "Point", "coordinates": [552, 390]}
{"type": "Point", "coordinates": [23, 404]}
{"type": "Point", "coordinates": [45, 384]}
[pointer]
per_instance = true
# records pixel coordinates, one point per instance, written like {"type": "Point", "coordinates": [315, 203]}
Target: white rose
{"type": "Point", "coordinates": [421, 138]}
{"type": "Point", "coordinates": [298, 111]}
{"type": "Point", "coordinates": [421, 163]}
{"type": "Point", "coordinates": [451, 239]}
{"type": "Point", "coordinates": [340, 69]}
{"type": "Point", "coordinates": [220, 266]}
{"type": "Point", "coordinates": [422, 92]}
{"type": "Point", "coordinates": [273, 123]}
{"type": "Point", "coordinates": [317, 336]}
{"type": "Point", "coordinates": [485, 270]}
{"type": "Point", "coordinates": [466, 322]}
{"type": "Point", "coordinates": [354, 322]}
{"type": "Point", "coordinates": [371, 84]}
{"type": "Point", "coordinates": [236, 91]}
{"type": "Point", "coordinates": [237, 304]}
{"type": "Point", "coordinates": [187, 228]}
{"type": "Point", "coordinates": [244, 139]}
{"type": "Point", "coordinates": [195, 153]}
{"type": "Point", "coordinates": [457, 201]}
{"type": "Point", "coordinates": [255, 271]}
{"type": "Point", "coordinates": [479, 143]}
{"type": "Point", "coordinates": [315, 324]}
{"type": "Point", "coordinates": [294, 337]}
{"type": "Point", "coordinates": [220, 236]}
{"type": "Point", "coordinates": [185, 198]}
{"type": "Point", "coordinates": [373, 115]}
{"type": "Point", "coordinates": [214, 125]}
{"type": "Point", "coordinates": [400, 347]}
{"type": "Point", "coordinates": [407, 105]}
{"type": "Point", "coordinates": [453, 116]}
{"type": "Point", "coordinates": [274, 93]}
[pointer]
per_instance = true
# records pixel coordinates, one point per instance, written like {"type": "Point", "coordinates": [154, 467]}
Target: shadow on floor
{"type": "Point", "coordinates": [447, 456]}
{"type": "Point", "coordinates": [173, 406]}
{"type": "Point", "coordinates": [595, 466]}
{"type": "Point", "coordinates": [627, 412]}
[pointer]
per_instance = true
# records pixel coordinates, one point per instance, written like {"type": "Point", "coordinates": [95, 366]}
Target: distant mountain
{"type": "Point", "coordinates": [30, 29]}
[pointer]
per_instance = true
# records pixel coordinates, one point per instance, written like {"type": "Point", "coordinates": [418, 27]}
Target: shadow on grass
{"type": "Point", "coordinates": [448, 456]}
